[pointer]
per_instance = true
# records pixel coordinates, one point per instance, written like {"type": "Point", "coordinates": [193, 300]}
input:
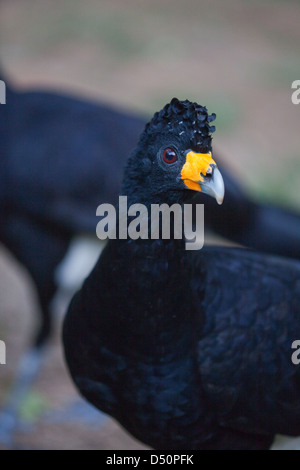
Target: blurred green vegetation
{"type": "Point", "coordinates": [34, 405]}
{"type": "Point", "coordinates": [280, 185]}
{"type": "Point", "coordinates": [279, 74]}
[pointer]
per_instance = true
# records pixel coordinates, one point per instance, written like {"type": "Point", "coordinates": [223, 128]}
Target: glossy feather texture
{"type": "Point", "coordinates": [61, 157]}
{"type": "Point", "coordinates": [188, 350]}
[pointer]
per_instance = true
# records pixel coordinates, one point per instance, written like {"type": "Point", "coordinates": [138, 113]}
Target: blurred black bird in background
{"type": "Point", "coordinates": [61, 157]}
{"type": "Point", "coordinates": [54, 173]}
{"type": "Point", "coordinates": [187, 350]}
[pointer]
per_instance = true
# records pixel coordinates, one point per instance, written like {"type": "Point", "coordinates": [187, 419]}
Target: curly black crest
{"type": "Point", "coordinates": [185, 117]}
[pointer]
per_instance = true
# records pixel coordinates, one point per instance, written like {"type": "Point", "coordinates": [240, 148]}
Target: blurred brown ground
{"type": "Point", "coordinates": [237, 57]}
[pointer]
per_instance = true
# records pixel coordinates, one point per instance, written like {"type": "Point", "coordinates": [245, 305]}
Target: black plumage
{"type": "Point", "coordinates": [188, 350]}
{"type": "Point", "coordinates": [61, 157]}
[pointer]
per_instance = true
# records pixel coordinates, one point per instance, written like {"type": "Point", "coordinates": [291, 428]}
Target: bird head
{"type": "Point", "coordinates": [173, 160]}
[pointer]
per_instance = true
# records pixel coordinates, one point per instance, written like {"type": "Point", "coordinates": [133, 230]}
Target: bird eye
{"type": "Point", "coordinates": [169, 156]}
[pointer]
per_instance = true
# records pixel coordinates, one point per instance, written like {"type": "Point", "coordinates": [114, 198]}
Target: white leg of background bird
{"type": "Point", "coordinates": [80, 259]}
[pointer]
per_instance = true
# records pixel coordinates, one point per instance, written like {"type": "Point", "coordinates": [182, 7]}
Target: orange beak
{"type": "Point", "coordinates": [200, 173]}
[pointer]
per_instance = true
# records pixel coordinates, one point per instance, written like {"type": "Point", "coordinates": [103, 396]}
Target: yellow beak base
{"type": "Point", "coordinates": [197, 166]}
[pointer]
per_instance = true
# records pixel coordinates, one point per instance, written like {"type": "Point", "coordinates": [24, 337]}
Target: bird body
{"type": "Point", "coordinates": [61, 157]}
{"type": "Point", "coordinates": [187, 350]}
{"type": "Point", "coordinates": [53, 175]}
{"type": "Point", "coordinates": [182, 369]}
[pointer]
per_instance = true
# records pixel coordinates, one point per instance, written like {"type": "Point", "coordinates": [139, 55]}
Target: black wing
{"type": "Point", "coordinates": [252, 308]}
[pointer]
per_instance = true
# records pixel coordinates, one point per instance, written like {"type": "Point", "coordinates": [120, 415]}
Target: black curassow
{"type": "Point", "coordinates": [186, 349]}
{"type": "Point", "coordinates": [61, 157]}
{"type": "Point", "coordinates": [53, 175]}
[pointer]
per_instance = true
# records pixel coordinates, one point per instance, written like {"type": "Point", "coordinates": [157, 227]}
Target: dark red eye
{"type": "Point", "coordinates": [169, 156]}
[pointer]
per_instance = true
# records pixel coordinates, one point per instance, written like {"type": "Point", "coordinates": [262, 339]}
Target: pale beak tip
{"type": "Point", "coordinates": [215, 186]}
{"type": "Point", "coordinates": [220, 200]}
{"type": "Point", "coordinates": [219, 187]}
